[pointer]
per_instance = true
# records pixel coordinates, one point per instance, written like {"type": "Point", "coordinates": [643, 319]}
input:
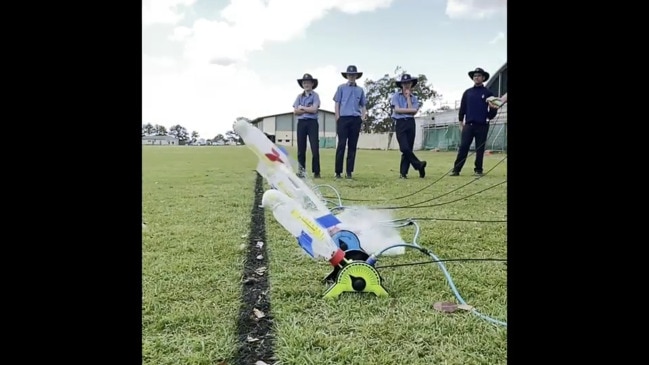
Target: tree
{"type": "Point", "coordinates": [147, 129]}
{"type": "Point", "coordinates": [159, 130]}
{"type": "Point", "coordinates": [180, 132]}
{"type": "Point", "coordinates": [219, 137]}
{"type": "Point", "coordinates": [379, 94]}
{"type": "Point", "coordinates": [194, 137]}
{"type": "Point", "coordinates": [232, 136]}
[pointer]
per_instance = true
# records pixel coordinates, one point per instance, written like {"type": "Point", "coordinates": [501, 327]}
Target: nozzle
{"type": "Point", "coordinates": [337, 257]}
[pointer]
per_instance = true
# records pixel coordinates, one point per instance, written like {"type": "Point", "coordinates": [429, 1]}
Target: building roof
{"type": "Point", "coordinates": [259, 119]}
{"type": "Point", "coordinates": [160, 137]}
{"type": "Point", "coordinates": [491, 80]}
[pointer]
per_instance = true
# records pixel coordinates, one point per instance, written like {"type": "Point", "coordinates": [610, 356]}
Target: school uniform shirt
{"type": "Point", "coordinates": [399, 101]}
{"type": "Point", "coordinates": [351, 98]}
{"type": "Point", "coordinates": [308, 100]}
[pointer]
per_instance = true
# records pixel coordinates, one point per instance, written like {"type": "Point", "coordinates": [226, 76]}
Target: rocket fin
{"type": "Point", "coordinates": [305, 241]}
{"type": "Point", "coordinates": [328, 220]}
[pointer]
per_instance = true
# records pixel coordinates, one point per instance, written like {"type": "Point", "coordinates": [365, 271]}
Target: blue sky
{"type": "Point", "coordinates": [206, 62]}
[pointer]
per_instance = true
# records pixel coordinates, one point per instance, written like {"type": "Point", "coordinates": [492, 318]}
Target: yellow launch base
{"type": "Point", "coordinates": [357, 277]}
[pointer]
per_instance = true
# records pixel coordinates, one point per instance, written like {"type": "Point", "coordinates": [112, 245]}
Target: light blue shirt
{"type": "Point", "coordinates": [312, 99]}
{"type": "Point", "coordinates": [351, 99]}
{"type": "Point", "coordinates": [399, 101]}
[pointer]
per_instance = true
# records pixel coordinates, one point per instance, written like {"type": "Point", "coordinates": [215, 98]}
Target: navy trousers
{"type": "Point", "coordinates": [308, 128]}
{"type": "Point", "coordinates": [479, 132]}
{"type": "Point", "coordinates": [348, 130]}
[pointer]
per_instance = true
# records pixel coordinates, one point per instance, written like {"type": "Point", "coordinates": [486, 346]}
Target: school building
{"type": "Point", "coordinates": [283, 128]}
{"type": "Point", "coordinates": [160, 140]}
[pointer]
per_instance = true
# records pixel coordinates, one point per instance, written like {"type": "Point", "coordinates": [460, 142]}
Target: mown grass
{"type": "Point", "coordinates": [196, 204]}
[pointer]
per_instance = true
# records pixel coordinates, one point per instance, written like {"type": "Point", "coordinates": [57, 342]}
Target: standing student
{"type": "Point", "coordinates": [306, 107]}
{"type": "Point", "coordinates": [350, 113]}
{"type": "Point", "coordinates": [477, 111]}
{"type": "Point", "coordinates": [404, 106]}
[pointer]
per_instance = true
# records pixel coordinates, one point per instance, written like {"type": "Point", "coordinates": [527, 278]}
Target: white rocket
{"type": "Point", "coordinates": [274, 165]}
{"type": "Point", "coordinates": [311, 235]}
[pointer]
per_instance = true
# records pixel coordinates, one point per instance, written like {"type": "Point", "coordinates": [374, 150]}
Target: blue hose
{"type": "Point", "coordinates": [373, 258]}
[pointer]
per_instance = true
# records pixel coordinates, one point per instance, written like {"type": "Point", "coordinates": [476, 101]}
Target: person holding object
{"type": "Point", "coordinates": [350, 113]}
{"type": "Point", "coordinates": [496, 102]}
{"type": "Point", "coordinates": [404, 106]}
{"type": "Point", "coordinates": [305, 108]}
{"type": "Point", "coordinates": [477, 111]}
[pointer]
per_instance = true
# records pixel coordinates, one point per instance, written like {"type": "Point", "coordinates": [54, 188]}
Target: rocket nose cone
{"type": "Point", "coordinates": [272, 197]}
{"type": "Point", "coordinates": [239, 126]}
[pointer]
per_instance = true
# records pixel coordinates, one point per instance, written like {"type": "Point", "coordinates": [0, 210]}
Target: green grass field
{"type": "Point", "coordinates": [197, 203]}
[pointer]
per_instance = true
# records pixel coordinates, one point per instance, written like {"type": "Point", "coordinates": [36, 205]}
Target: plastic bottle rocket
{"type": "Point", "coordinates": [288, 183]}
{"type": "Point", "coordinates": [257, 141]}
{"type": "Point", "coordinates": [312, 237]}
{"type": "Point", "coordinates": [274, 165]}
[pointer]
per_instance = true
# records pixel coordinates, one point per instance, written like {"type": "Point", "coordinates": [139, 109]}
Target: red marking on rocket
{"type": "Point", "coordinates": [274, 156]}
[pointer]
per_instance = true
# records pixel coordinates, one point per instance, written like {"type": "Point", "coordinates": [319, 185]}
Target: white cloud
{"type": "Point", "coordinates": [499, 37]}
{"type": "Point", "coordinates": [163, 11]}
{"type": "Point", "coordinates": [205, 98]}
{"type": "Point", "coordinates": [246, 25]}
{"type": "Point", "coordinates": [209, 97]}
{"type": "Point", "coordinates": [155, 65]}
{"type": "Point", "coordinates": [211, 86]}
{"type": "Point", "coordinates": [180, 33]}
{"type": "Point", "coordinates": [475, 9]}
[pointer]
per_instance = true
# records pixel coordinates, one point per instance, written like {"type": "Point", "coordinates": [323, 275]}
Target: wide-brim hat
{"type": "Point", "coordinates": [309, 78]}
{"type": "Point", "coordinates": [407, 78]}
{"type": "Point", "coordinates": [352, 70]}
{"type": "Point", "coordinates": [480, 71]}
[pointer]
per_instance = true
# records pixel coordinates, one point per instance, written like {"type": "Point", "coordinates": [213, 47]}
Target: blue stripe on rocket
{"type": "Point", "coordinates": [305, 241]}
{"type": "Point", "coordinates": [283, 149]}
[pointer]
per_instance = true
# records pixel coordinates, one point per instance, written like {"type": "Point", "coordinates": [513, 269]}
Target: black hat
{"type": "Point", "coordinates": [308, 77]}
{"type": "Point", "coordinates": [352, 70]}
{"type": "Point", "coordinates": [480, 71]}
{"type": "Point", "coordinates": [407, 78]}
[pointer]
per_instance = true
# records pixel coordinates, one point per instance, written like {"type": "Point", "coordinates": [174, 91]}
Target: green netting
{"type": "Point", "coordinates": [497, 139]}
{"type": "Point", "coordinates": [327, 142]}
{"type": "Point", "coordinates": [442, 137]}
{"type": "Point", "coordinates": [447, 138]}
